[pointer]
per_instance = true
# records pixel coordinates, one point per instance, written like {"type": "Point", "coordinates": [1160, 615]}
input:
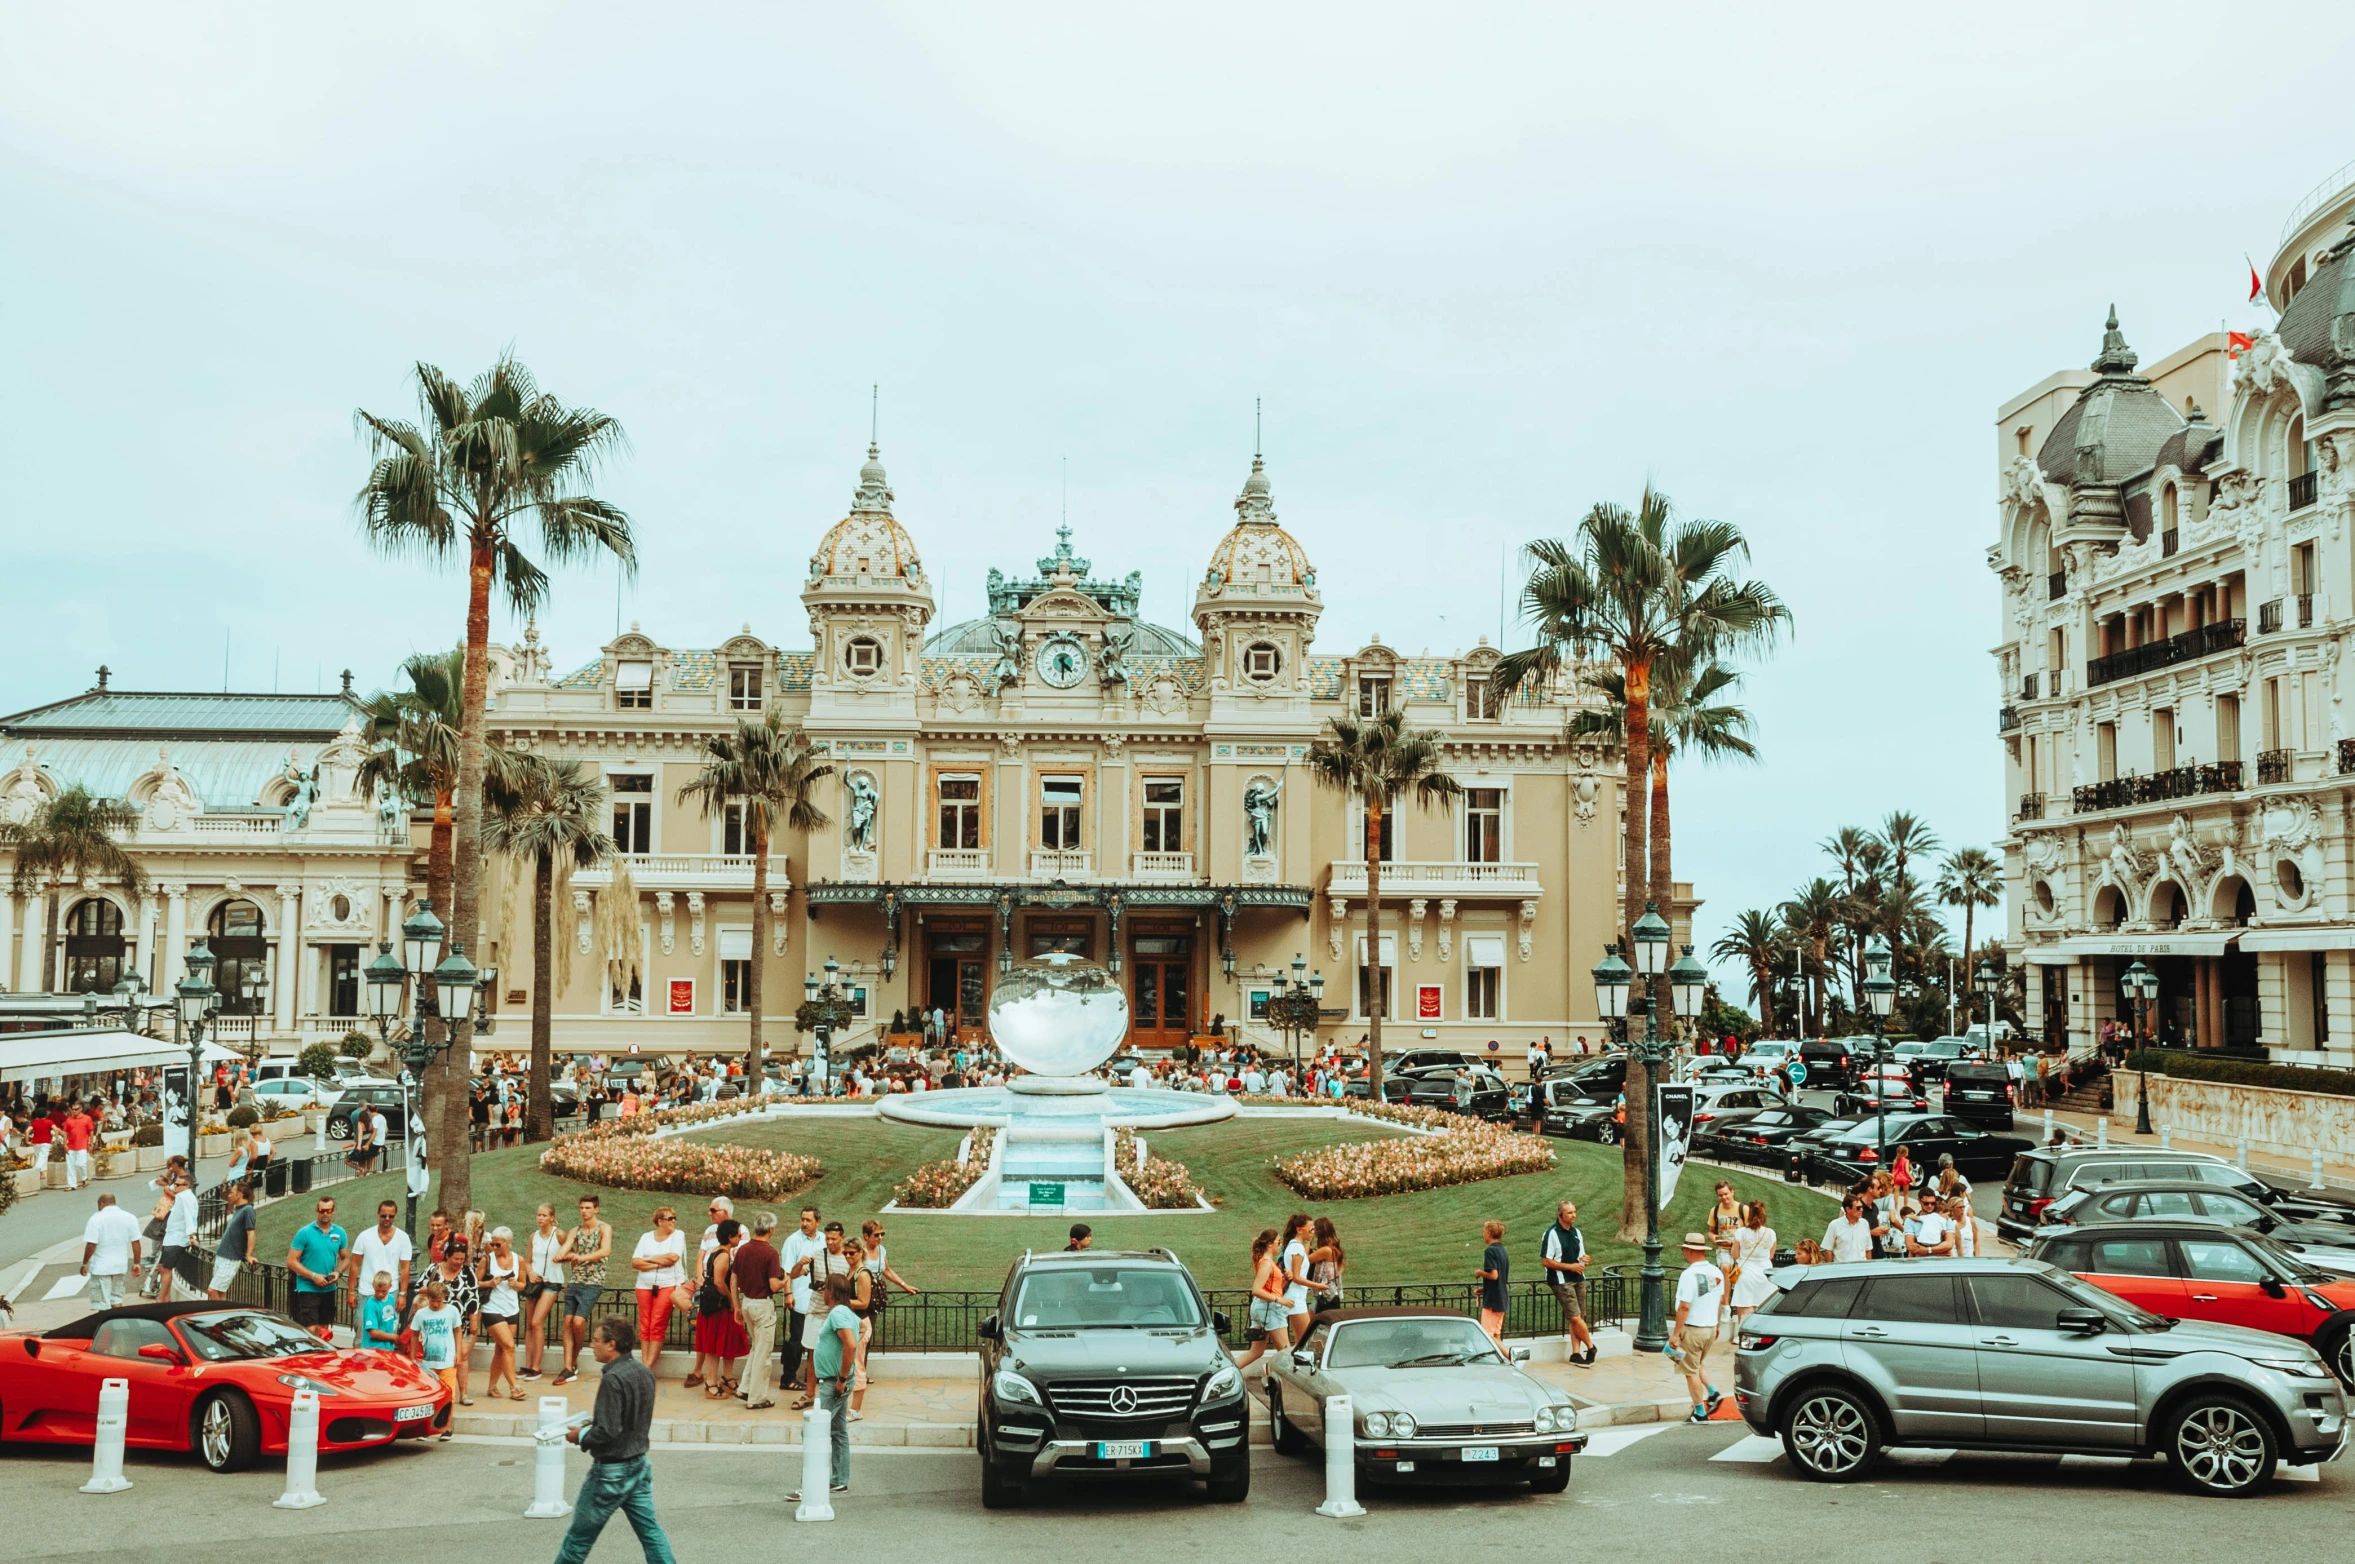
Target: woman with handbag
{"type": "Point", "coordinates": [457, 1279]}
{"type": "Point", "coordinates": [546, 1286]}
{"type": "Point", "coordinates": [1753, 1273]}
{"type": "Point", "coordinates": [660, 1259]}
{"type": "Point", "coordinates": [720, 1339]}
{"type": "Point", "coordinates": [502, 1277]}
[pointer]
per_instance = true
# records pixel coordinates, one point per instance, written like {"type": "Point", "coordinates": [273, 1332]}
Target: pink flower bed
{"type": "Point", "coordinates": [1467, 1153]}
{"type": "Point", "coordinates": [623, 1154]}
{"type": "Point", "coordinates": [936, 1185]}
{"type": "Point", "coordinates": [1161, 1184]}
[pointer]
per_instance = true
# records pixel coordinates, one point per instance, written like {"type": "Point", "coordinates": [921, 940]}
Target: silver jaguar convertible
{"type": "Point", "coordinates": [1434, 1400]}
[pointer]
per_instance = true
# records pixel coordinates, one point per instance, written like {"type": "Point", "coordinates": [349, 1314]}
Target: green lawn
{"type": "Point", "coordinates": [1433, 1236]}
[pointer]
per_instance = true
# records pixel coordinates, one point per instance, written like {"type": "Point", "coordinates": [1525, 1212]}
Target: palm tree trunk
{"type": "Point", "coordinates": [753, 1063]}
{"type": "Point", "coordinates": [50, 981]}
{"type": "Point", "coordinates": [441, 1087]}
{"type": "Point", "coordinates": [1662, 877]}
{"type": "Point", "coordinates": [540, 1109]}
{"type": "Point", "coordinates": [1374, 947]}
{"type": "Point", "coordinates": [1965, 978]}
{"type": "Point", "coordinates": [457, 1191]}
{"type": "Point", "coordinates": [1634, 869]}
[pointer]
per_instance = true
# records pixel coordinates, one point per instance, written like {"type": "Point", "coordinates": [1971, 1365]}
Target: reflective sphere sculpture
{"type": "Point", "coordinates": [1058, 1016]}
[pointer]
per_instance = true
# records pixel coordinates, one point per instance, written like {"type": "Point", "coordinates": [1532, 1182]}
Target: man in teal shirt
{"type": "Point", "coordinates": [835, 1360]}
{"type": "Point", "coordinates": [315, 1256]}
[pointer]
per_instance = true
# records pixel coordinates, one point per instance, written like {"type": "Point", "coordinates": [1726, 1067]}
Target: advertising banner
{"type": "Point", "coordinates": [1673, 1134]}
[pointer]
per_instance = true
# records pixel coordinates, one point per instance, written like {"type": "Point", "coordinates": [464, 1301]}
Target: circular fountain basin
{"type": "Point", "coordinates": [1107, 1106]}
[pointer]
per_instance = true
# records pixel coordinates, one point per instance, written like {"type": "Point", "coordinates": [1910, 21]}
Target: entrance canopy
{"type": "Point", "coordinates": [29, 1056]}
{"type": "Point", "coordinates": [2144, 946]}
{"type": "Point", "coordinates": [2300, 939]}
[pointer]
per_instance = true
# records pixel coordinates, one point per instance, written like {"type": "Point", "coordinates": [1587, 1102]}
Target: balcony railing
{"type": "Point", "coordinates": [2180, 782]}
{"type": "Point", "coordinates": [959, 862]}
{"type": "Point", "coordinates": [2169, 541]}
{"type": "Point", "coordinates": [2269, 617]}
{"type": "Point", "coordinates": [246, 828]}
{"type": "Point", "coordinates": [1166, 867]}
{"type": "Point", "coordinates": [2305, 610]}
{"type": "Point", "coordinates": [2273, 765]}
{"type": "Point", "coordinates": [1437, 879]}
{"type": "Point", "coordinates": [2031, 806]}
{"type": "Point", "coordinates": [2207, 640]}
{"type": "Point", "coordinates": [2346, 756]}
{"type": "Point", "coordinates": [2056, 586]}
{"type": "Point", "coordinates": [2028, 688]}
{"type": "Point", "coordinates": [1048, 863]}
{"type": "Point", "coordinates": [698, 871]}
{"type": "Point", "coordinates": [2302, 490]}
{"type": "Point", "coordinates": [2007, 718]}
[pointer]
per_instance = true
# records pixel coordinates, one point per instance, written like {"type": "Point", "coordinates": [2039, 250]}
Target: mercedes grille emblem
{"type": "Point", "coordinates": [1124, 1400]}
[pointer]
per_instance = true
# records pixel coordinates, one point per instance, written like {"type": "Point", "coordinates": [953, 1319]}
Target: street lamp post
{"type": "Point", "coordinates": [196, 1003]}
{"type": "Point", "coordinates": [2142, 987]}
{"type": "Point", "coordinates": [439, 987]}
{"type": "Point", "coordinates": [829, 1010]}
{"type": "Point", "coordinates": [1295, 1005]}
{"type": "Point", "coordinates": [1880, 992]}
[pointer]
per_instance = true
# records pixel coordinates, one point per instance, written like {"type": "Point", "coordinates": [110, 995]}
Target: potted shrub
{"type": "Point", "coordinates": [147, 1143]}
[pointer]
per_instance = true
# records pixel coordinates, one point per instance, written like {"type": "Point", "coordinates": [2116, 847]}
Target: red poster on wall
{"type": "Point", "coordinates": [1427, 1002]}
{"type": "Point", "coordinates": [682, 996]}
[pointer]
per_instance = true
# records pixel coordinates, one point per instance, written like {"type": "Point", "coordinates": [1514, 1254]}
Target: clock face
{"type": "Point", "coordinates": [1062, 661]}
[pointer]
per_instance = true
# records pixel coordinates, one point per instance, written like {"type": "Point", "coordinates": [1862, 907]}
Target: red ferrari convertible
{"type": "Point", "coordinates": [216, 1378]}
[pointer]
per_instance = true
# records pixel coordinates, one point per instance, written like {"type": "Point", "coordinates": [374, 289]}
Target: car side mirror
{"type": "Point", "coordinates": [1220, 1323]}
{"type": "Point", "coordinates": [987, 1328]}
{"type": "Point", "coordinates": [157, 1352]}
{"type": "Point", "coordinates": [1520, 1354]}
{"type": "Point", "coordinates": [2082, 1322]}
{"type": "Point", "coordinates": [2273, 1288]}
{"type": "Point", "coordinates": [1304, 1360]}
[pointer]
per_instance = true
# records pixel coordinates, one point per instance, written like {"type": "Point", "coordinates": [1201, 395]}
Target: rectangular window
{"type": "Point", "coordinates": [633, 685]}
{"type": "Point", "coordinates": [1059, 804]}
{"type": "Point", "coordinates": [744, 687]}
{"type": "Point", "coordinates": [633, 812]}
{"type": "Point", "coordinates": [2105, 739]}
{"type": "Point", "coordinates": [735, 840]}
{"type": "Point", "coordinates": [1484, 825]}
{"type": "Point", "coordinates": [960, 811]}
{"type": "Point", "coordinates": [2271, 715]}
{"type": "Point", "coordinates": [1259, 662]}
{"type": "Point", "coordinates": [1484, 962]}
{"type": "Point", "coordinates": [864, 655]}
{"type": "Point", "coordinates": [1479, 700]}
{"type": "Point", "coordinates": [735, 970]}
{"type": "Point", "coordinates": [2163, 739]}
{"type": "Point", "coordinates": [1165, 800]}
{"type": "Point", "coordinates": [2228, 727]}
{"type": "Point", "coordinates": [1373, 694]}
{"type": "Point", "coordinates": [1357, 843]}
{"type": "Point", "coordinates": [1389, 977]}
{"type": "Point", "coordinates": [1069, 936]}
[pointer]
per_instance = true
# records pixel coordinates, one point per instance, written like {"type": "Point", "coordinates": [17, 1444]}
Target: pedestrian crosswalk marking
{"type": "Point", "coordinates": [1610, 1441]}
{"type": "Point", "coordinates": [1757, 1447]}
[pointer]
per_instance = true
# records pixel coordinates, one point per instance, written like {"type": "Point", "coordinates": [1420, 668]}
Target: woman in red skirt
{"type": "Point", "coordinates": [719, 1317]}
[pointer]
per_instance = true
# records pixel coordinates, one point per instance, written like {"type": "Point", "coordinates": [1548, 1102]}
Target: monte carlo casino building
{"type": "Point", "coordinates": [1058, 776]}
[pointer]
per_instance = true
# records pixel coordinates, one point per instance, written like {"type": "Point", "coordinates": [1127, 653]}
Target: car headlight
{"type": "Point", "coordinates": [1377, 1425]}
{"type": "Point", "coordinates": [2303, 1368]}
{"type": "Point", "coordinates": [1225, 1382]}
{"type": "Point", "coordinates": [1544, 1422]}
{"type": "Point", "coordinates": [305, 1382]}
{"type": "Point", "coordinates": [1556, 1420]}
{"type": "Point", "coordinates": [1401, 1426]}
{"type": "Point", "coordinates": [1010, 1386]}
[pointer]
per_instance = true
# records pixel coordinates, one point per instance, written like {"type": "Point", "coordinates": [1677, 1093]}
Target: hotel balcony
{"type": "Point", "coordinates": [957, 863]}
{"type": "Point", "coordinates": [691, 871]}
{"type": "Point", "coordinates": [1516, 881]}
{"type": "Point", "coordinates": [1049, 863]}
{"type": "Point", "coordinates": [1162, 868]}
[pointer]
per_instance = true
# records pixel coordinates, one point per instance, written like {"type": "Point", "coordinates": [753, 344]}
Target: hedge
{"type": "Point", "coordinates": [2186, 1065]}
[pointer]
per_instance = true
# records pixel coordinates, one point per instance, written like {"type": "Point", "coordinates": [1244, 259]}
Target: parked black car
{"type": "Point", "coordinates": [1980, 1092]}
{"type": "Point", "coordinates": [1418, 1059]}
{"type": "Point", "coordinates": [1486, 1097]}
{"type": "Point", "coordinates": [1103, 1364]}
{"type": "Point", "coordinates": [1761, 1138]}
{"type": "Point", "coordinates": [1926, 1137]}
{"type": "Point", "coordinates": [1932, 1063]}
{"type": "Point", "coordinates": [384, 1096]}
{"type": "Point", "coordinates": [1831, 1062]}
{"type": "Point", "coordinates": [2043, 1175]}
{"type": "Point", "coordinates": [2191, 1199]}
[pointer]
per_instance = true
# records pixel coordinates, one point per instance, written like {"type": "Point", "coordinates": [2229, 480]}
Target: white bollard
{"type": "Point", "coordinates": [548, 1463]}
{"type": "Point", "coordinates": [302, 1455]}
{"type": "Point", "coordinates": [2315, 1181]}
{"type": "Point", "coordinates": [2101, 1134]}
{"type": "Point", "coordinates": [2166, 1138]}
{"type": "Point", "coordinates": [2240, 1153]}
{"type": "Point", "coordinates": [1340, 1460]}
{"type": "Point", "coordinates": [106, 1453]}
{"type": "Point", "coordinates": [817, 1457]}
{"type": "Point", "coordinates": [2047, 1127]}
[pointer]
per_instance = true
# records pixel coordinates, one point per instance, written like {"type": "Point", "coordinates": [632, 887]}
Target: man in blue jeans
{"type": "Point", "coordinates": [621, 1476]}
{"type": "Point", "coordinates": [836, 1358]}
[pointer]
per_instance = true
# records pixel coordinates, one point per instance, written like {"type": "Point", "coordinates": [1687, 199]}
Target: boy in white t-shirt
{"type": "Point", "coordinates": [437, 1326]}
{"type": "Point", "coordinates": [1700, 1304]}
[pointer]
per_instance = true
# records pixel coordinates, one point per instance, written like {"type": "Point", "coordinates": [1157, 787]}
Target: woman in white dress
{"type": "Point", "coordinates": [1753, 1246]}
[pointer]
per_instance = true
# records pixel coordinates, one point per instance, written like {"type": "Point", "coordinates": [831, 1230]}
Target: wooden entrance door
{"type": "Point", "coordinates": [957, 981]}
{"type": "Point", "coordinates": [1161, 991]}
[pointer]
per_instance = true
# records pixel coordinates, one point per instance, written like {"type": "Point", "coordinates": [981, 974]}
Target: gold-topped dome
{"type": "Point", "coordinates": [1258, 555]}
{"type": "Point", "coordinates": [869, 541]}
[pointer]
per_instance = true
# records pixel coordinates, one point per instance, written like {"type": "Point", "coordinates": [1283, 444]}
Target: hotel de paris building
{"type": "Point", "coordinates": [1060, 775]}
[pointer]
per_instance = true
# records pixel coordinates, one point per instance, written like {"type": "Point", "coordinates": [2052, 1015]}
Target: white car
{"type": "Point", "coordinates": [297, 1092]}
{"type": "Point", "coordinates": [1768, 1055]}
{"type": "Point", "coordinates": [1714, 1101]}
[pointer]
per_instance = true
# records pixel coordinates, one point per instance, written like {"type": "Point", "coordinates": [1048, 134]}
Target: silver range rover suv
{"type": "Point", "coordinates": [2016, 1355]}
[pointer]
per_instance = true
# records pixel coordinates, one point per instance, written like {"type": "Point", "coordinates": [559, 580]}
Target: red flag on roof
{"type": "Point", "coordinates": [2237, 342]}
{"type": "Point", "coordinates": [2256, 283]}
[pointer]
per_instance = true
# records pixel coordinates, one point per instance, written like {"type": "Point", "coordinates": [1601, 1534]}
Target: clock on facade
{"type": "Point", "coordinates": [1062, 661]}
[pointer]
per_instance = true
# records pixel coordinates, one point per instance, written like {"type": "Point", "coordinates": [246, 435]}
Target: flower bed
{"type": "Point", "coordinates": [1161, 1184]}
{"type": "Point", "coordinates": [624, 1154]}
{"type": "Point", "coordinates": [938, 1185]}
{"type": "Point", "coordinates": [1406, 1164]}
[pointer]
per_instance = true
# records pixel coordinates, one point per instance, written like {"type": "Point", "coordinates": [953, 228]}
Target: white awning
{"type": "Point", "coordinates": [2299, 939]}
{"type": "Point", "coordinates": [633, 674]}
{"type": "Point", "coordinates": [2143, 945]}
{"type": "Point", "coordinates": [31, 1056]}
{"type": "Point", "coordinates": [2049, 956]}
{"type": "Point", "coordinates": [1389, 950]}
{"type": "Point", "coordinates": [1484, 950]}
{"type": "Point", "coordinates": [735, 944]}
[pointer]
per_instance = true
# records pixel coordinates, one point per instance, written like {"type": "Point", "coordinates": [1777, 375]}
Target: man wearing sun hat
{"type": "Point", "coordinates": [1700, 1304]}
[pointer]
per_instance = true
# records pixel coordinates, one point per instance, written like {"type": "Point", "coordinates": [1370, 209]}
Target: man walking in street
{"type": "Point", "coordinates": [179, 1232]}
{"type": "Point", "coordinates": [315, 1256]}
{"type": "Point", "coordinates": [1700, 1302]}
{"type": "Point", "coordinates": [621, 1474]}
{"type": "Point", "coordinates": [803, 1249]}
{"type": "Point", "coordinates": [236, 1250]}
{"type": "Point", "coordinates": [1850, 1236]}
{"type": "Point", "coordinates": [754, 1274]}
{"type": "Point", "coordinates": [110, 1252]}
{"type": "Point", "coordinates": [383, 1247]}
{"type": "Point", "coordinates": [1563, 1254]}
{"type": "Point", "coordinates": [78, 1130]}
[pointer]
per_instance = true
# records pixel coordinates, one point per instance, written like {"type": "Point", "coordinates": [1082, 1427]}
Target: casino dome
{"type": "Point", "coordinates": [1258, 556]}
{"type": "Point", "coordinates": [869, 541]}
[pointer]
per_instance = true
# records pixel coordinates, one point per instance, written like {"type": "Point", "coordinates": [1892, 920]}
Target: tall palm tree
{"type": "Point", "coordinates": [1971, 879]}
{"type": "Point", "coordinates": [484, 465]}
{"type": "Point", "coordinates": [66, 840]}
{"type": "Point", "coordinates": [763, 767]}
{"type": "Point", "coordinates": [1813, 915]}
{"type": "Point", "coordinates": [1758, 942]}
{"type": "Point", "coordinates": [551, 814]}
{"type": "Point", "coordinates": [1636, 587]}
{"type": "Point", "coordinates": [1905, 837]}
{"type": "Point", "coordinates": [1385, 763]}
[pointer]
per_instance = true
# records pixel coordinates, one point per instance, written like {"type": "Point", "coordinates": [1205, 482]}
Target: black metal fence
{"type": "Point", "coordinates": [281, 1177]}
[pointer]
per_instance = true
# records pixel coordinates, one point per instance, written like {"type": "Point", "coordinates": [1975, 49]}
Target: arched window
{"type": "Point", "coordinates": [94, 957]}
{"type": "Point", "coordinates": [235, 939]}
{"type": "Point", "coordinates": [2168, 510]}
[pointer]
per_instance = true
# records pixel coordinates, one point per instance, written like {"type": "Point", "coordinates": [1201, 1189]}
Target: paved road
{"type": "Point", "coordinates": [1660, 1492]}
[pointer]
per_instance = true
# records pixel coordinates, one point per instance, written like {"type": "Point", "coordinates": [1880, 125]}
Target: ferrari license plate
{"type": "Point", "coordinates": [412, 1414]}
{"type": "Point", "coordinates": [1123, 1449]}
{"type": "Point", "coordinates": [1479, 1452]}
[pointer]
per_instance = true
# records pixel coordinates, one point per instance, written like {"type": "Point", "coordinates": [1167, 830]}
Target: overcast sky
{"type": "Point", "coordinates": [1487, 265]}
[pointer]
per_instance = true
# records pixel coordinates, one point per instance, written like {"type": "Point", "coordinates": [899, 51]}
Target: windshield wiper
{"type": "Point", "coordinates": [1433, 1359]}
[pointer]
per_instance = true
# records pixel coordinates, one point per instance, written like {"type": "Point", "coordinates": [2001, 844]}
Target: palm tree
{"type": "Point", "coordinates": [1635, 588]}
{"type": "Point", "coordinates": [551, 815]}
{"type": "Point", "coordinates": [1384, 762]}
{"type": "Point", "coordinates": [69, 839]}
{"type": "Point", "coordinates": [1971, 879]}
{"type": "Point", "coordinates": [1812, 916]}
{"type": "Point", "coordinates": [1758, 942]}
{"type": "Point", "coordinates": [485, 463]}
{"type": "Point", "coordinates": [765, 769]}
{"type": "Point", "coordinates": [1904, 835]}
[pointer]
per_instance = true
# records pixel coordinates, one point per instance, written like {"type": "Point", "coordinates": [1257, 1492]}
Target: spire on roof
{"type": "Point", "coordinates": [1253, 504]}
{"type": "Point", "coordinates": [874, 491]}
{"type": "Point", "coordinates": [2116, 357]}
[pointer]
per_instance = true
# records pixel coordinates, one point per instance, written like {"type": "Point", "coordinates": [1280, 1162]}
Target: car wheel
{"type": "Point", "coordinates": [998, 1492]}
{"type": "Point", "coordinates": [1830, 1434]}
{"type": "Point", "coordinates": [1608, 1135]}
{"type": "Point", "coordinates": [228, 1434]}
{"type": "Point", "coordinates": [339, 1129]}
{"type": "Point", "coordinates": [1287, 1437]}
{"type": "Point", "coordinates": [1233, 1488]}
{"type": "Point", "coordinates": [2219, 1446]}
{"type": "Point", "coordinates": [2339, 1353]}
{"type": "Point", "coordinates": [1552, 1479]}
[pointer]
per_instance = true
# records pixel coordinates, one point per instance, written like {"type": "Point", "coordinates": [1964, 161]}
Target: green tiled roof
{"type": "Point", "coordinates": [1417, 678]}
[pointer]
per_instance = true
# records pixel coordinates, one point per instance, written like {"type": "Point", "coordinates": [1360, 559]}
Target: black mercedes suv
{"type": "Point", "coordinates": [1104, 1363]}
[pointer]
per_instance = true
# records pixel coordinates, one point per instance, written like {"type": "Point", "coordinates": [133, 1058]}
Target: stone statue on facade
{"type": "Point", "coordinates": [859, 827]}
{"type": "Point", "coordinates": [1259, 814]}
{"type": "Point", "coordinates": [1006, 635]}
{"type": "Point", "coordinates": [389, 814]}
{"type": "Point", "coordinates": [2189, 860]}
{"type": "Point", "coordinates": [305, 794]}
{"type": "Point", "coordinates": [1112, 667]}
